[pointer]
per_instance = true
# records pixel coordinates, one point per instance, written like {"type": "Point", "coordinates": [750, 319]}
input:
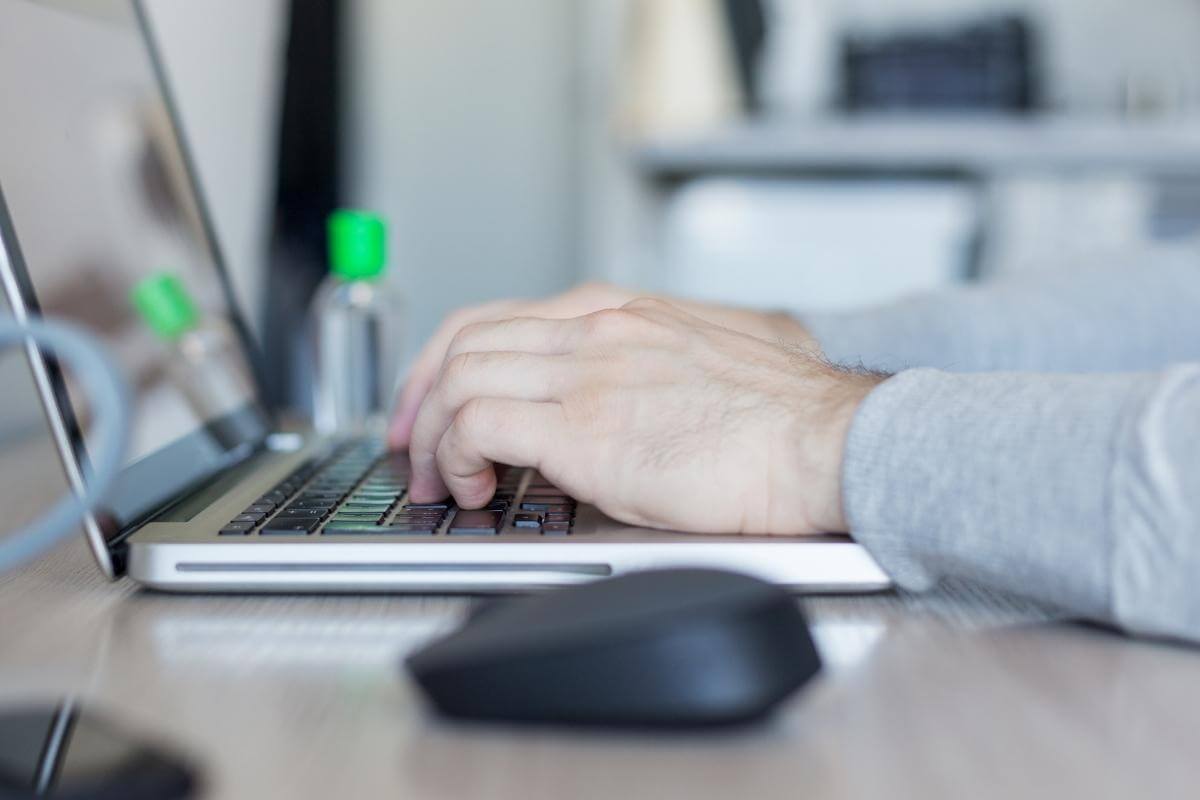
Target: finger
{"type": "Point", "coordinates": [518, 334]}
{"type": "Point", "coordinates": [518, 376]}
{"type": "Point", "coordinates": [581, 300]}
{"type": "Point", "coordinates": [428, 363]}
{"type": "Point", "coordinates": [491, 431]}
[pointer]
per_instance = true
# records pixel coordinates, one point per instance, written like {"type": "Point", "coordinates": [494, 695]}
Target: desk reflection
{"type": "Point", "coordinates": [294, 635]}
{"type": "Point", "coordinates": [300, 633]}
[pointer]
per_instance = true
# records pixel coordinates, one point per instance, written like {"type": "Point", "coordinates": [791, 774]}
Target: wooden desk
{"type": "Point", "coordinates": [958, 694]}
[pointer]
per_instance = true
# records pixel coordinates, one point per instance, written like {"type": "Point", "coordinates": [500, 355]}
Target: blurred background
{"type": "Point", "coordinates": [806, 154]}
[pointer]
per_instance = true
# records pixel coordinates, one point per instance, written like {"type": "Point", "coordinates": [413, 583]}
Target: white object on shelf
{"type": "Point", "coordinates": [800, 60]}
{"type": "Point", "coordinates": [680, 74]}
{"type": "Point", "coordinates": [815, 245]}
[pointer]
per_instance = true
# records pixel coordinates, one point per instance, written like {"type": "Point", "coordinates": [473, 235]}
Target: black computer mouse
{"type": "Point", "coordinates": [663, 648]}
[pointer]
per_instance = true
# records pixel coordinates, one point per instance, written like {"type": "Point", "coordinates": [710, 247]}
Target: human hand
{"type": "Point", "coordinates": [652, 414]}
{"type": "Point", "coordinates": [583, 299]}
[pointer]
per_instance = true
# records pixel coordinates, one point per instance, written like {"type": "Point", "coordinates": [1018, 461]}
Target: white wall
{"type": "Point", "coordinates": [462, 132]}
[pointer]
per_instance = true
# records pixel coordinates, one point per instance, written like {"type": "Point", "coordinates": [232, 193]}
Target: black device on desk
{"type": "Point", "coordinates": [57, 750]}
{"type": "Point", "coordinates": [664, 648]}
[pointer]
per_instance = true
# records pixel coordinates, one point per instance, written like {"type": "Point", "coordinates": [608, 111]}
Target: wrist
{"type": "Point", "coordinates": [786, 328]}
{"type": "Point", "coordinates": [829, 429]}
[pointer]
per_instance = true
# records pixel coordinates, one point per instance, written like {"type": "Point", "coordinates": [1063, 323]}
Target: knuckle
{"type": "Point", "coordinates": [458, 366]}
{"type": "Point", "coordinates": [609, 322]}
{"type": "Point", "coordinates": [463, 337]}
{"type": "Point", "coordinates": [471, 416]}
{"type": "Point", "coordinates": [646, 304]}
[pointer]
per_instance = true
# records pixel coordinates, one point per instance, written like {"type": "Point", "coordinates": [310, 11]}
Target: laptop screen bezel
{"type": "Point", "coordinates": [48, 377]}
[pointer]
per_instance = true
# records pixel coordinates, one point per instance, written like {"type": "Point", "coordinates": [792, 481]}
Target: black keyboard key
{"type": "Point", "coordinates": [304, 501]}
{"type": "Point", "coordinates": [289, 527]}
{"type": "Point", "coordinates": [421, 523]}
{"type": "Point", "coordinates": [560, 516]}
{"type": "Point", "coordinates": [373, 494]}
{"type": "Point", "coordinates": [556, 529]}
{"type": "Point", "coordinates": [336, 489]}
{"type": "Point", "coordinates": [370, 502]}
{"type": "Point", "coordinates": [320, 494]}
{"type": "Point", "coordinates": [273, 498]}
{"type": "Point", "coordinates": [443, 506]}
{"type": "Point", "coordinates": [314, 513]}
{"type": "Point", "coordinates": [253, 519]}
{"type": "Point", "coordinates": [357, 519]}
{"type": "Point", "coordinates": [534, 505]}
{"type": "Point", "coordinates": [527, 521]}
{"type": "Point", "coordinates": [317, 503]}
{"type": "Point", "coordinates": [324, 484]}
{"type": "Point", "coordinates": [421, 516]}
{"type": "Point", "coordinates": [381, 507]}
{"type": "Point", "coordinates": [393, 489]}
{"type": "Point", "coordinates": [350, 529]}
{"type": "Point", "coordinates": [236, 528]}
{"type": "Point", "coordinates": [408, 528]}
{"type": "Point", "coordinates": [256, 508]}
{"type": "Point", "coordinates": [476, 523]}
{"type": "Point", "coordinates": [299, 516]}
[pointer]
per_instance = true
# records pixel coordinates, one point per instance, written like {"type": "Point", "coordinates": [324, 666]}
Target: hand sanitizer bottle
{"type": "Point", "coordinates": [204, 362]}
{"type": "Point", "coordinates": [356, 319]}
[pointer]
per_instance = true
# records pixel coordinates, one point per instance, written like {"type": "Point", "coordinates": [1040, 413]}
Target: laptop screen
{"type": "Point", "coordinates": [99, 199]}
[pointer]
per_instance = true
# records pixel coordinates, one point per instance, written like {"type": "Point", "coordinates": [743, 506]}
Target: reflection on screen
{"type": "Point", "coordinates": [100, 199]}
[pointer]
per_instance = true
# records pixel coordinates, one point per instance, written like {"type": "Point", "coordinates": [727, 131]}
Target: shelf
{"type": "Point", "coordinates": [924, 145]}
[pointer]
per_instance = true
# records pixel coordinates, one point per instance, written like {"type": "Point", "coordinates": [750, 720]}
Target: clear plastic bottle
{"type": "Point", "coordinates": [204, 363]}
{"type": "Point", "coordinates": [356, 319]}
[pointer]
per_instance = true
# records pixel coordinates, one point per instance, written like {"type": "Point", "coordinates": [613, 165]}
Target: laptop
{"type": "Point", "coordinates": [97, 191]}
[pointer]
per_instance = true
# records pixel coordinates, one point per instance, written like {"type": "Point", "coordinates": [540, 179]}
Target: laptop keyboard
{"type": "Point", "coordinates": [360, 489]}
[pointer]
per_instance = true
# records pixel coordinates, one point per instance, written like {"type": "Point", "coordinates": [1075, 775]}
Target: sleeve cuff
{"type": "Point", "coordinates": [1000, 478]}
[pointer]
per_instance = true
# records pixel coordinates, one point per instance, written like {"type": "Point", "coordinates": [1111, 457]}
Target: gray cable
{"type": "Point", "coordinates": [102, 381]}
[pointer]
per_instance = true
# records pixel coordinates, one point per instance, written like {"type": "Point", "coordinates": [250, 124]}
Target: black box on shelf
{"type": "Point", "coordinates": [984, 66]}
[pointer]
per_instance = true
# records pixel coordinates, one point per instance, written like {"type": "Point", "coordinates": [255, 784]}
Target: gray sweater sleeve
{"type": "Point", "coordinates": [1079, 490]}
{"type": "Point", "coordinates": [1128, 314]}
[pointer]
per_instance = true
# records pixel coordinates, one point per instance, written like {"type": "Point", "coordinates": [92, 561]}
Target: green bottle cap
{"type": "Point", "coordinates": [357, 245]}
{"type": "Point", "coordinates": [165, 305]}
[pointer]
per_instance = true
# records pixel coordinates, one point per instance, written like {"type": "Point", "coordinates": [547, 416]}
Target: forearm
{"type": "Point", "coordinates": [1083, 491]}
{"type": "Point", "coordinates": [1122, 317]}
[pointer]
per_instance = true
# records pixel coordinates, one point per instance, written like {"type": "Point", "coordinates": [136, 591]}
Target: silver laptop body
{"type": "Point", "coordinates": [96, 191]}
